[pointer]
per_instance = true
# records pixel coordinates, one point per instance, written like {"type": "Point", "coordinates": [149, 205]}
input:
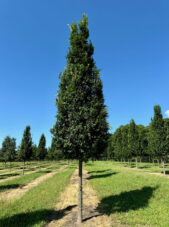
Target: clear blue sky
{"type": "Point", "coordinates": [131, 40]}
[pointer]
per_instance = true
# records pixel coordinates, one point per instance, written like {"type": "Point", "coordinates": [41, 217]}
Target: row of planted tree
{"type": "Point", "coordinates": [138, 142]}
{"type": "Point", "coordinates": [27, 150]}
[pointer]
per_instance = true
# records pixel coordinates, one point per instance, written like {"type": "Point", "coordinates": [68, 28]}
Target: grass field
{"type": "Point", "coordinates": [37, 205]}
{"type": "Point", "coordinates": [147, 167]}
{"type": "Point", "coordinates": [131, 196]}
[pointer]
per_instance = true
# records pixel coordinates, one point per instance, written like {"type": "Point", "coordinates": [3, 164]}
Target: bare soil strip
{"type": "Point", "coordinates": [68, 203]}
{"type": "Point", "coordinates": [25, 173]}
{"type": "Point", "coordinates": [17, 193]}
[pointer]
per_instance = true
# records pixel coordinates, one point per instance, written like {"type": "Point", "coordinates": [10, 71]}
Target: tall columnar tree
{"type": "Point", "coordinates": [81, 126]}
{"type": "Point", "coordinates": [157, 135]}
{"type": "Point", "coordinates": [26, 146]}
{"type": "Point", "coordinates": [125, 151]}
{"type": "Point", "coordinates": [8, 150]}
{"type": "Point", "coordinates": [118, 143]}
{"type": "Point", "coordinates": [42, 151]}
{"type": "Point", "coordinates": [133, 140]}
{"type": "Point", "coordinates": [166, 127]}
{"type": "Point", "coordinates": [143, 141]}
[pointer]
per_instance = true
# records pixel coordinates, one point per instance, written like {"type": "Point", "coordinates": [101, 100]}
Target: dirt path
{"type": "Point", "coordinates": [17, 193]}
{"type": "Point", "coordinates": [68, 203]}
{"type": "Point", "coordinates": [20, 174]}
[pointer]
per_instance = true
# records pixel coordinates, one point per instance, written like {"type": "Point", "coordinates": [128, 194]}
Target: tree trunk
{"type": "Point", "coordinates": [158, 163]}
{"type": "Point", "coordinates": [140, 160]}
{"type": "Point", "coordinates": [136, 164]}
{"type": "Point", "coordinates": [23, 167]}
{"type": "Point", "coordinates": [79, 219]}
{"type": "Point", "coordinates": [164, 167]}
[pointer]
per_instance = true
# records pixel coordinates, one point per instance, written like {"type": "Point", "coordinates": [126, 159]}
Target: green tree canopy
{"type": "Point", "coordinates": [81, 127]}
{"type": "Point", "coordinates": [8, 150]}
{"type": "Point", "coordinates": [26, 145]}
{"type": "Point", "coordinates": [42, 151]}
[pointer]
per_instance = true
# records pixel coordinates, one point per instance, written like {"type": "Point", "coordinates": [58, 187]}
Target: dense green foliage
{"type": "Point", "coordinates": [26, 145]}
{"type": "Point", "coordinates": [81, 127]}
{"type": "Point", "coordinates": [8, 150]}
{"type": "Point", "coordinates": [137, 141]}
{"type": "Point", "coordinates": [42, 151]}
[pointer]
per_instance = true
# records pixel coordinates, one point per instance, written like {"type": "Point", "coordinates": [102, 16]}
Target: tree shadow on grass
{"type": "Point", "coordinates": [8, 175]}
{"type": "Point", "coordinates": [8, 187]}
{"type": "Point", "coordinates": [31, 218]}
{"type": "Point", "coordinates": [45, 171]}
{"type": "Point", "coordinates": [100, 171]}
{"type": "Point", "coordinates": [166, 172]}
{"type": "Point", "coordinates": [102, 175]}
{"type": "Point", "coordinates": [125, 201]}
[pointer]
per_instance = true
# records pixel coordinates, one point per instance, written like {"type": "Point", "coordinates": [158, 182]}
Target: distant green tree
{"type": "Point", "coordinates": [157, 136]}
{"type": "Point", "coordinates": [143, 141]}
{"type": "Point", "coordinates": [8, 150]}
{"type": "Point", "coordinates": [34, 152]}
{"type": "Point", "coordinates": [42, 151]}
{"type": "Point", "coordinates": [125, 151]}
{"type": "Point", "coordinates": [26, 146]}
{"type": "Point", "coordinates": [118, 148]}
{"type": "Point", "coordinates": [109, 151]}
{"type": "Point", "coordinates": [133, 141]}
{"type": "Point", "coordinates": [81, 127]}
{"type": "Point", "coordinates": [166, 128]}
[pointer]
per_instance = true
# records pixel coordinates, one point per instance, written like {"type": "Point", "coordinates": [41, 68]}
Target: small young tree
{"type": "Point", "coordinates": [8, 150]}
{"type": "Point", "coordinates": [81, 126]}
{"type": "Point", "coordinates": [157, 135]}
{"type": "Point", "coordinates": [133, 140]}
{"type": "Point", "coordinates": [26, 146]}
{"type": "Point", "coordinates": [42, 151]}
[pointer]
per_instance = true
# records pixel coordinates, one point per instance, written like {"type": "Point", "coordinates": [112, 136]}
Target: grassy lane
{"type": "Point", "coordinates": [23, 179]}
{"type": "Point", "coordinates": [147, 167]}
{"type": "Point", "coordinates": [37, 205]}
{"type": "Point", "coordinates": [48, 166]}
{"type": "Point", "coordinates": [132, 197]}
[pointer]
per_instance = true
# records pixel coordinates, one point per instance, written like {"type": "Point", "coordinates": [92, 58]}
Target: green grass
{"type": "Point", "coordinates": [23, 180]}
{"type": "Point", "coordinates": [131, 196]}
{"type": "Point", "coordinates": [147, 167]}
{"type": "Point", "coordinates": [37, 205]}
{"type": "Point", "coordinates": [30, 166]}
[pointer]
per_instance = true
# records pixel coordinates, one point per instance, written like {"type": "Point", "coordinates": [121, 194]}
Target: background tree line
{"type": "Point", "coordinates": [27, 150]}
{"type": "Point", "coordinates": [143, 143]}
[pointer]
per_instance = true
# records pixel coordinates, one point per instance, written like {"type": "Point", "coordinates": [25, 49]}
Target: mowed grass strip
{"type": "Point", "coordinates": [147, 167]}
{"type": "Point", "coordinates": [23, 180]}
{"type": "Point", "coordinates": [37, 206]}
{"type": "Point", "coordinates": [132, 197]}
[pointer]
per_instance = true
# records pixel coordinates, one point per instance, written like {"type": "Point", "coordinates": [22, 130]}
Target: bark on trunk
{"type": "Point", "coordinates": [136, 164]}
{"type": "Point", "coordinates": [158, 163]}
{"type": "Point", "coordinates": [79, 219]}
{"type": "Point", "coordinates": [164, 167]}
